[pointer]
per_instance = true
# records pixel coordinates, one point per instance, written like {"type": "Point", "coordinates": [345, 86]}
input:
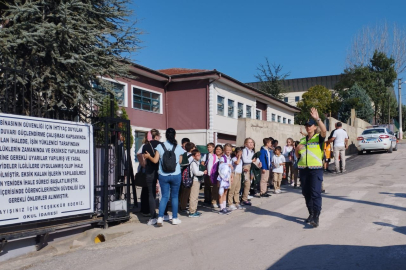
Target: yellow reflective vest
{"type": "Point", "coordinates": [312, 155]}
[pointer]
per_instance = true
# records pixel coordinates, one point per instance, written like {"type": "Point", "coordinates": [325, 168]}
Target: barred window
{"type": "Point", "coordinates": [146, 100]}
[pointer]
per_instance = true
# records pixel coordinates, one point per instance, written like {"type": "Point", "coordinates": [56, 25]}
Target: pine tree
{"type": "Point", "coordinates": [65, 44]}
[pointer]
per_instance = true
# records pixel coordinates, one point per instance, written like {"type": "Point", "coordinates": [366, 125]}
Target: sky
{"type": "Point", "coordinates": [308, 38]}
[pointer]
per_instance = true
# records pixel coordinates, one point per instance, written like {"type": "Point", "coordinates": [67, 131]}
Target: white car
{"type": "Point", "coordinates": [377, 138]}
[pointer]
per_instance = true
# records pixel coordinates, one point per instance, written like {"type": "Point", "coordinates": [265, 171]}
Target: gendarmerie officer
{"type": "Point", "coordinates": [310, 154]}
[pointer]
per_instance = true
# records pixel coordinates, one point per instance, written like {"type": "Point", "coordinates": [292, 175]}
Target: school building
{"type": "Point", "coordinates": [203, 105]}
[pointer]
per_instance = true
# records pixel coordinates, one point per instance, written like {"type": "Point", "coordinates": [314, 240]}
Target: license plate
{"type": "Point", "coordinates": [371, 139]}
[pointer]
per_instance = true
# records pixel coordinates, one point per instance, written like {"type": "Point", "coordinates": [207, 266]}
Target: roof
{"type": "Point", "coordinates": [303, 84]}
{"type": "Point", "coordinates": [177, 71]}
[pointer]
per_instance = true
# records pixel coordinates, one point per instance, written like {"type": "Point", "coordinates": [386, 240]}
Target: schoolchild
{"type": "Point", "coordinates": [266, 161]}
{"type": "Point", "coordinates": [207, 162]}
{"type": "Point", "coordinates": [186, 160]}
{"type": "Point", "coordinates": [234, 192]}
{"type": "Point", "coordinates": [247, 154]}
{"type": "Point", "coordinates": [278, 160]}
{"type": "Point", "coordinates": [288, 153]}
{"type": "Point", "coordinates": [295, 168]}
{"type": "Point", "coordinates": [214, 164]}
{"type": "Point", "coordinates": [184, 142]}
{"type": "Point", "coordinates": [225, 177]}
{"type": "Point", "coordinates": [195, 173]}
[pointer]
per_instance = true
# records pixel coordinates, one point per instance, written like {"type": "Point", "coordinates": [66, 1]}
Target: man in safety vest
{"type": "Point", "coordinates": [310, 155]}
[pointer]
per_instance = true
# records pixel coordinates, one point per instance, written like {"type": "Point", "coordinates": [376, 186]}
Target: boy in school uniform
{"type": "Point", "coordinates": [186, 160]}
{"type": "Point", "coordinates": [195, 173]}
{"type": "Point", "coordinates": [266, 161]}
{"type": "Point", "coordinates": [278, 160]}
{"type": "Point", "coordinates": [207, 161]}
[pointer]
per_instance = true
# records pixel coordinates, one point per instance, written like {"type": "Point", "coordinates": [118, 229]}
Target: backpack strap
{"type": "Point", "coordinates": [173, 148]}
{"type": "Point", "coordinates": [163, 146]}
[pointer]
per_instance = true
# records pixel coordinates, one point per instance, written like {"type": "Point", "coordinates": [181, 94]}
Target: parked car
{"type": "Point", "coordinates": [377, 138]}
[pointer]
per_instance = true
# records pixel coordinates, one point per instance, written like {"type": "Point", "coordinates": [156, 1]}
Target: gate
{"type": "Point", "coordinates": [113, 172]}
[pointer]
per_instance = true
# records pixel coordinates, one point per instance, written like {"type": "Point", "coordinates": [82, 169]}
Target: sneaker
{"type": "Point", "coordinates": [239, 207]}
{"type": "Point", "coordinates": [292, 184]}
{"type": "Point", "coordinates": [337, 172]}
{"type": "Point", "coordinates": [232, 207]}
{"type": "Point", "coordinates": [167, 217]}
{"type": "Point", "coordinates": [160, 222]}
{"type": "Point", "coordinates": [343, 171]}
{"type": "Point", "coordinates": [215, 205]}
{"type": "Point", "coordinates": [199, 213]}
{"type": "Point", "coordinates": [176, 221]}
{"type": "Point", "coordinates": [152, 221]}
{"type": "Point", "coordinates": [228, 211]}
{"type": "Point", "coordinates": [246, 203]}
{"type": "Point", "coordinates": [223, 212]}
{"type": "Point", "coordinates": [278, 191]}
{"type": "Point", "coordinates": [250, 197]}
{"type": "Point", "coordinates": [194, 215]}
{"type": "Point", "coordinates": [265, 195]}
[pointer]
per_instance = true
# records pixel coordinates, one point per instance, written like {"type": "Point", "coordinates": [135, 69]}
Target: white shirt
{"type": "Point", "coordinates": [276, 161]}
{"type": "Point", "coordinates": [286, 151]}
{"type": "Point", "coordinates": [210, 161]}
{"type": "Point", "coordinates": [194, 170]}
{"type": "Point", "coordinates": [247, 155]}
{"type": "Point", "coordinates": [340, 135]}
{"type": "Point", "coordinates": [237, 168]}
{"type": "Point", "coordinates": [227, 160]}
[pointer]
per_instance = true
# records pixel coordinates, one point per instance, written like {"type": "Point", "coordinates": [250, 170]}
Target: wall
{"type": "Point", "coordinates": [257, 130]}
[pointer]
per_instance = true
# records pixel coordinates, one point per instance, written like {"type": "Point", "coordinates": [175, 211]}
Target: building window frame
{"type": "Point", "coordinates": [284, 120]}
{"type": "Point", "coordinates": [230, 108]}
{"type": "Point", "coordinates": [279, 118]}
{"type": "Point", "coordinates": [220, 105]}
{"type": "Point", "coordinates": [286, 99]}
{"type": "Point", "coordinates": [240, 111]}
{"type": "Point", "coordinates": [297, 98]}
{"type": "Point", "coordinates": [273, 117]}
{"type": "Point", "coordinates": [125, 90]}
{"type": "Point", "coordinates": [146, 90]}
{"type": "Point", "coordinates": [289, 121]}
{"type": "Point", "coordinates": [258, 114]}
{"type": "Point", "coordinates": [248, 113]}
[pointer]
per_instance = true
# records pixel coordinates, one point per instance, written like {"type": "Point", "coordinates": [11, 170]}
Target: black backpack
{"type": "Point", "coordinates": [169, 160]}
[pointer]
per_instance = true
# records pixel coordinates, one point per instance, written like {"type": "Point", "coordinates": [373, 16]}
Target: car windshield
{"type": "Point", "coordinates": [373, 131]}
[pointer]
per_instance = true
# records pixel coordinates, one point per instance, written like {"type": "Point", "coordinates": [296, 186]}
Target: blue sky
{"type": "Point", "coordinates": [309, 38]}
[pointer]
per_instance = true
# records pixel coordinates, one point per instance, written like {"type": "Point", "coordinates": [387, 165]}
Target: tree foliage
{"type": "Point", "coordinates": [356, 98]}
{"type": "Point", "coordinates": [318, 97]}
{"type": "Point", "coordinates": [65, 44]}
{"type": "Point", "coordinates": [271, 79]}
{"type": "Point", "coordinates": [377, 79]}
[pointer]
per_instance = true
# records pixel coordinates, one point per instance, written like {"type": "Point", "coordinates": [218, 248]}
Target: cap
{"type": "Point", "coordinates": [310, 122]}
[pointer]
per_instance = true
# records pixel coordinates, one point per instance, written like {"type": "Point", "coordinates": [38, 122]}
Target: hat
{"type": "Point", "coordinates": [310, 122]}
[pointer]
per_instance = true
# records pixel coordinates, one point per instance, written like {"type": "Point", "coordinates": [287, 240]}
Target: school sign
{"type": "Point", "coordinates": [45, 169]}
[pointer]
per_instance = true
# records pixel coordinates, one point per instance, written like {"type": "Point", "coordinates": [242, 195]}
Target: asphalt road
{"type": "Point", "coordinates": [362, 226]}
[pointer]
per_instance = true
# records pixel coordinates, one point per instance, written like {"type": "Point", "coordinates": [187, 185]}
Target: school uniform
{"type": "Point", "coordinates": [247, 155]}
{"type": "Point", "coordinates": [195, 189]}
{"type": "Point", "coordinates": [266, 161]}
{"type": "Point", "coordinates": [234, 192]}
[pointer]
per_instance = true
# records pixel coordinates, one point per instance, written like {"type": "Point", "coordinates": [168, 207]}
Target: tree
{"type": "Point", "coordinates": [356, 98]}
{"type": "Point", "coordinates": [318, 97]}
{"type": "Point", "coordinates": [65, 44]}
{"type": "Point", "coordinates": [104, 111]}
{"type": "Point", "coordinates": [377, 79]}
{"type": "Point", "coordinates": [381, 37]}
{"type": "Point", "coordinates": [271, 79]}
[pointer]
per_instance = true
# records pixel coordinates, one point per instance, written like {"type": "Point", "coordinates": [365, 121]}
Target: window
{"type": "Point", "coordinates": [289, 121]}
{"type": "Point", "coordinates": [273, 117]}
{"type": "Point", "coordinates": [286, 99]}
{"type": "Point", "coordinates": [220, 105]}
{"type": "Point", "coordinates": [284, 120]}
{"type": "Point", "coordinates": [258, 114]}
{"type": "Point", "coordinates": [231, 108]}
{"type": "Point", "coordinates": [249, 111]}
{"type": "Point", "coordinates": [117, 88]}
{"type": "Point", "coordinates": [138, 137]}
{"type": "Point", "coordinates": [279, 119]}
{"type": "Point", "coordinates": [146, 100]}
{"type": "Point", "coordinates": [240, 110]}
{"type": "Point", "coordinates": [297, 98]}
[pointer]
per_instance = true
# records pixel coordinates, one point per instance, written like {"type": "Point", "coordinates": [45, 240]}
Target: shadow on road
{"type": "Point", "coordinates": [398, 229]}
{"type": "Point", "coordinates": [334, 257]}
{"type": "Point", "coordinates": [400, 195]}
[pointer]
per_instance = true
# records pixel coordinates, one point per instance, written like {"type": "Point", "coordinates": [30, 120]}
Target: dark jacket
{"type": "Point", "coordinates": [264, 159]}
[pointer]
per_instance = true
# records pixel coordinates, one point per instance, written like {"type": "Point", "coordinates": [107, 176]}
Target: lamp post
{"type": "Point", "coordinates": [400, 135]}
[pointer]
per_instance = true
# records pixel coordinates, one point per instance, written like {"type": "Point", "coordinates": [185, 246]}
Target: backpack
{"type": "Point", "coordinates": [169, 160]}
{"type": "Point", "coordinates": [215, 170]}
{"type": "Point", "coordinates": [187, 179]}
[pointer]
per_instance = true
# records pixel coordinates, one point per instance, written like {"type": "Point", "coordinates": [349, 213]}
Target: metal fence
{"type": "Point", "coordinates": [113, 173]}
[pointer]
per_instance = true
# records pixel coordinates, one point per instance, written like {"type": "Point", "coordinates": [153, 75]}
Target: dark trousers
{"type": "Point", "coordinates": [207, 189]}
{"type": "Point", "coordinates": [148, 195]}
{"type": "Point", "coordinates": [311, 180]}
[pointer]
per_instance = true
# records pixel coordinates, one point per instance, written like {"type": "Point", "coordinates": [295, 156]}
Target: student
{"type": "Point", "coordinates": [247, 154]}
{"type": "Point", "coordinates": [186, 161]}
{"type": "Point", "coordinates": [288, 151]}
{"type": "Point", "coordinates": [169, 174]}
{"type": "Point", "coordinates": [295, 168]}
{"type": "Point", "coordinates": [207, 162]}
{"type": "Point", "coordinates": [225, 177]}
{"type": "Point", "coordinates": [195, 189]}
{"type": "Point", "coordinates": [275, 144]}
{"type": "Point", "coordinates": [184, 142]}
{"type": "Point", "coordinates": [234, 192]}
{"type": "Point", "coordinates": [327, 155]}
{"type": "Point", "coordinates": [266, 161]}
{"type": "Point", "coordinates": [278, 160]}
{"type": "Point", "coordinates": [214, 163]}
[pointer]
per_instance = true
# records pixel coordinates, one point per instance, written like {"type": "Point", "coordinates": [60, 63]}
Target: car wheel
{"type": "Point", "coordinates": [396, 148]}
{"type": "Point", "coordinates": [360, 152]}
{"type": "Point", "coordinates": [390, 149]}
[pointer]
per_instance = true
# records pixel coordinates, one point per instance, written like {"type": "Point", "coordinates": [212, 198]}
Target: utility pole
{"type": "Point", "coordinates": [400, 135]}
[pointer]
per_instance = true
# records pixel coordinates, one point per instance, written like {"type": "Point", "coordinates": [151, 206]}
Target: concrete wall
{"type": "Point", "coordinates": [257, 130]}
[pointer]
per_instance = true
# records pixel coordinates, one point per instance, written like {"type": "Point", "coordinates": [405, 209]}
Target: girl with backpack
{"type": "Point", "coordinates": [225, 178]}
{"type": "Point", "coordinates": [169, 154]}
{"type": "Point", "coordinates": [218, 152]}
{"type": "Point", "coordinates": [288, 153]}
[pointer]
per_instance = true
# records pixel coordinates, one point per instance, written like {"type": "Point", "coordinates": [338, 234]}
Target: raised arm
{"type": "Point", "coordinates": [315, 115]}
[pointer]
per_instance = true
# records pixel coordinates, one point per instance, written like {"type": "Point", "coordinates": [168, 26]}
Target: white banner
{"type": "Point", "coordinates": [45, 169]}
